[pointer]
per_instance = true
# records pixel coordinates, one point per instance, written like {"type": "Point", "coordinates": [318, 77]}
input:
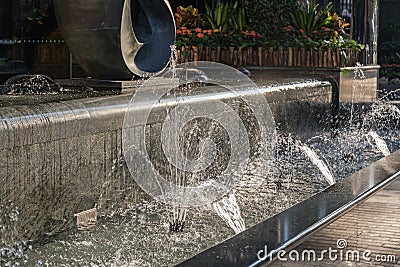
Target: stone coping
{"type": "Point", "coordinates": [43, 122]}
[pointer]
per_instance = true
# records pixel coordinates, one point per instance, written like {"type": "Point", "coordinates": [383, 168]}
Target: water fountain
{"type": "Point", "coordinates": [155, 166]}
{"type": "Point", "coordinates": [135, 229]}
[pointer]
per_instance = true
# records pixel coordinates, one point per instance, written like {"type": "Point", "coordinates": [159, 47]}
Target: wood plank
{"type": "Point", "coordinates": [260, 56]}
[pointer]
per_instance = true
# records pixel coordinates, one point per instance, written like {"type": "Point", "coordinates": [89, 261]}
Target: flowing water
{"type": "Point", "coordinates": [228, 209]}
{"type": "Point", "coordinates": [357, 86]}
{"type": "Point", "coordinates": [379, 143]}
{"type": "Point", "coordinates": [150, 233]}
{"type": "Point", "coordinates": [321, 165]}
{"type": "Point", "coordinates": [139, 235]}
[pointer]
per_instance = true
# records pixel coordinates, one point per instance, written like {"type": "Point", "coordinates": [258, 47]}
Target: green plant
{"type": "Point", "coordinates": [389, 48]}
{"type": "Point", "coordinates": [312, 27]}
{"type": "Point", "coordinates": [268, 17]}
{"type": "Point", "coordinates": [390, 71]}
{"type": "Point", "coordinates": [39, 22]}
{"type": "Point", "coordinates": [226, 17]}
{"type": "Point", "coordinates": [215, 38]}
{"type": "Point", "coordinates": [390, 31]}
{"type": "Point", "coordinates": [188, 17]}
{"type": "Point", "coordinates": [308, 19]}
{"type": "Point", "coordinates": [199, 37]}
{"type": "Point", "coordinates": [251, 38]}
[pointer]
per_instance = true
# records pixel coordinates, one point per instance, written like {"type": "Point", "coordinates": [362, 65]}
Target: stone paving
{"type": "Point", "coordinates": [373, 225]}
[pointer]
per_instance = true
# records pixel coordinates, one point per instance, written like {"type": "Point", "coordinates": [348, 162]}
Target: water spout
{"type": "Point", "coordinates": [177, 219]}
{"type": "Point", "coordinates": [321, 165]}
{"type": "Point", "coordinates": [379, 143]}
{"type": "Point", "coordinates": [228, 209]}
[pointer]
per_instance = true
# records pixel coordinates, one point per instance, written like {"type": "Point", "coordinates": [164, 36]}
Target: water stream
{"type": "Point", "coordinates": [321, 165]}
{"type": "Point", "coordinates": [379, 143]}
{"type": "Point", "coordinates": [228, 209]}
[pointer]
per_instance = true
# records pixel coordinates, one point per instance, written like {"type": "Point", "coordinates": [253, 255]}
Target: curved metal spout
{"type": "Point", "coordinates": [114, 39]}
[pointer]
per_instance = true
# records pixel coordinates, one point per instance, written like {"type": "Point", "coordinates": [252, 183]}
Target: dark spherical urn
{"type": "Point", "coordinates": [114, 39]}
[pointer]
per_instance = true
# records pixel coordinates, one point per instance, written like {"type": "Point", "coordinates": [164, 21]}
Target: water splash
{"type": "Point", "coordinates": [228, 209]}
{"type": "Point", "coordinates": [358, 72]}
{"type": "Point", "coordinates": [174, 57]}
{"type": "Point", "coordinates": [31, 85]}
{"type": "Point", "coordinates": [389, 95]}
{"type": "Point", "coordinates": [357, 86]}
{"type": "Point", "coordinates": [177, 219]}
{"type": "Point", "coordinates": [135, 239]}
{"type": "Point", "coordinates": [12, 251]}
{"type": "Point", "coordinates": [382, 117]}
{"type": "Point", "coordinates": [379, 143]}
{"type": "Point", "coordinates": [321, 165]}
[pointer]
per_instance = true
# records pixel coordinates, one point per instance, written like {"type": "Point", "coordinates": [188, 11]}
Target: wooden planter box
{"type": "Point", "coordinates": [261, 57]}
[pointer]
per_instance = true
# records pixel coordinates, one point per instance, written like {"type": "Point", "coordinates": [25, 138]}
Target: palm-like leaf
{"type": "Point", "coordinates": [224, 17]}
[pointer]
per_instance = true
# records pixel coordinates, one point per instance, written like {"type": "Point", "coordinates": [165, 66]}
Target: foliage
{"type": "Point", "coordinates": [389, 50]}
{"type": "Point", "coordinates": [225, 17]}
{"type": "Point", "coordinates": [390, 71]}
{"type": "Point", "coordinates": [390, 31]}
{"type": "Point", "coordinates": [224, 26]}
{"type": "Point", "coordinates": [39, 22]}
{"type": "Point", "coordinates": [199, 37]}
{"type": "Point", "coordinates": [263, 23]}
{"type": "Point", "coordinates": [37, 16]}
{"type": "Point", "coordinates": [188, 17]}
{"type": "Point", "coordinates": [312, 27]}
{"type": "Point", "coordinates": [268, 16]}
{"type": "Point", "coordinates": [251, 38]}
{"type": "Point", "coordinates": [214, 38]}
{"type": "Point", "coordinates": [308, 19]}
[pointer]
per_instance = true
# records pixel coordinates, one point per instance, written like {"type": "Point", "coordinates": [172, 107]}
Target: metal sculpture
{"type": "Point", "coordinates": [111, 39]}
